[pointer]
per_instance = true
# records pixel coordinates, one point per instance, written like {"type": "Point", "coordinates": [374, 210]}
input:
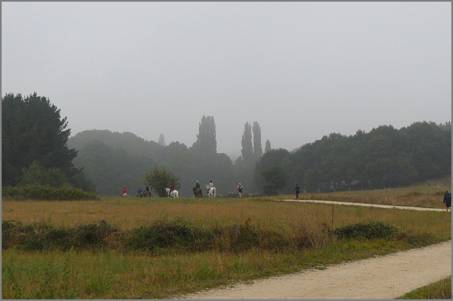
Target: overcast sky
{"type": "Point", "coordinates": [302, 70]}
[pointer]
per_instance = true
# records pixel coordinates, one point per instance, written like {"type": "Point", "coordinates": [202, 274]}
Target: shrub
{"type": "Point", "coordinates": [373, 230]}
{"type": "Point", "coordinates": [92, 235]}
{"type": "Point", "coordinates": [176, 234]}
{"type": "Point", "coordinates": [41, 236]}
{"type": "Point", "coordinates": [42, 192]}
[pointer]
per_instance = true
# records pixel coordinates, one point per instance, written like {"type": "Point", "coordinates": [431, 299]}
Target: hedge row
{"type": "Point", "coordinates": [40, 192]}
{"type": "Point", "coordinates": [175, 235]}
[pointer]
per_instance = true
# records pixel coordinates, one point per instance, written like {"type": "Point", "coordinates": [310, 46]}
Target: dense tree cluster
{"type": "Point", "coordinates": [34, 137]}
{"type": "Point", "coordinates": [384, 157]}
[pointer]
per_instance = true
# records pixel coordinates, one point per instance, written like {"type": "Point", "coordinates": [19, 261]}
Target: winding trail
{"type": "Point", "coordinates": [364, 205]}
{"type": "Point", "coordinates": [383, 277]}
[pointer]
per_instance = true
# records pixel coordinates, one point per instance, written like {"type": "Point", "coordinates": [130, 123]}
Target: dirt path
{"type": "Point", "coordinates": [383, 277]}
{"type": "Point", "coordinates": [365, 205]}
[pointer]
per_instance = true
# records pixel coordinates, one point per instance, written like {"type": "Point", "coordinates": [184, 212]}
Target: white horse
{"type": "Point", "coordinates": [212, 192]}
{"type": "Point", "coordinates": [172, 193]}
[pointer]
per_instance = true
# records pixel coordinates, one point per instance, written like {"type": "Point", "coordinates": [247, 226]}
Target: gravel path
{"type": "Point", "coordinates": [365, 205]}
{"type": "Point", "coordinates": [382, 277]}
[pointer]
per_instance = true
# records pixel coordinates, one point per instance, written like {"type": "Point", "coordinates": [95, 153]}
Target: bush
{"type": "Point", "coordinates": [92, 235]}
{"type": "Point", "coordinates": [177, 235]}
{"type": "Point", "coordinates": [372, 230]}
{"type": "Point", "coordinates": [42, 192]}
{"type": "Point", "coordinates": [41, 236]}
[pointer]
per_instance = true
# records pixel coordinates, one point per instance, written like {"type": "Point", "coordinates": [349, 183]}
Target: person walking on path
{"type": "Point", "coordinates": [297, 190]}
{"type": "Point", "coordinates": [447, 199]}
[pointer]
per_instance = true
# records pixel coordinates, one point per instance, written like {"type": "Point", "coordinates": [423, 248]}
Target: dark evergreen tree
{"type": "Point", "coordinates": [34, 131]}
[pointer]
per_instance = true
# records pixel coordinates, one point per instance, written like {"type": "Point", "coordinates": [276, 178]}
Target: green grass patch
{"type": "Point", "coordinates": [437, 290]}
{"type": "Point", "coordinates": [111, 274]}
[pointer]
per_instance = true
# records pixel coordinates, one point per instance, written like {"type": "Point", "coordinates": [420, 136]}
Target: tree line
{"type": "Point", "coordinates": [37, 150]}
{"type": "Point", "coordinates": [383, 157]}
{"type": "Point", "coordinates": [113, 160]}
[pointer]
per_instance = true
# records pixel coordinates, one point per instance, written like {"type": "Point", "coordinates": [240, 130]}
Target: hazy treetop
{"type": "Point", "coordinates": [302, 70]}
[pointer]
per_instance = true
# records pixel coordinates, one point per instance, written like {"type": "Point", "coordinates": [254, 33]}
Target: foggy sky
{"type": "Point", "coordinates": [302, 70]}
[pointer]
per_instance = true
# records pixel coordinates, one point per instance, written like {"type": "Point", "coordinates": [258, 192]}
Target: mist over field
{"type": "Point", "coordinates": [302, 70]}
{"type": "Point", "coordinates": [269, 95]}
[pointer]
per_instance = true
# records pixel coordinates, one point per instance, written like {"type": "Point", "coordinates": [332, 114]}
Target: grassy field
{"type": "Point", "coordinates": [132, 274]}
{"type": "Point", "coordinates": [437, 290]}
{"type": "Point", "coordinates": [427, 194]}
{"type": "Point", "coordinates": [132, 212]}
{"type": "Point", "coordinates": [108, 274]}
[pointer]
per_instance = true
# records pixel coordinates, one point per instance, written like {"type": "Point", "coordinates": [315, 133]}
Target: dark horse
{"type": "Point", "coordinates": [197, 192]}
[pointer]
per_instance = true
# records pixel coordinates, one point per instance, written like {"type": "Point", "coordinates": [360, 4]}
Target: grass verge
{"type": "Point", "coordinates": [437, 290]}
{"type": "Point", "coordinates": [110, 274]}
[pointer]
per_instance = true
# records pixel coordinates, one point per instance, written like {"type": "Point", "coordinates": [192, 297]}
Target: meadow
{"type": "Point", "coordinates": [108, 272]}
{"type": "Point", "coordinates": [427, 194]}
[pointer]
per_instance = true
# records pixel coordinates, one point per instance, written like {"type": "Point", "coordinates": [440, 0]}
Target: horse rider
{"type": "Point", "coordinates": [210, 185]}
{"type": "Point", "coordinates": [197, 190]}
{"type": "Point", "coordinates": [239, 189]}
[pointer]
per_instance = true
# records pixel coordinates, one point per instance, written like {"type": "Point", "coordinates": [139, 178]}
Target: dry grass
{"type": "Point", "coordinates": [428, 194]}
{"type": "Point", "coordinates": [111, 274]}
{"type": "Point", "coordinates": [276, 216]}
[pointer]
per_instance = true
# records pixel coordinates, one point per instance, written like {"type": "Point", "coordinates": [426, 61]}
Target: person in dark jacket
{"type": "Point", "coordinates": [297, 190]}
{"type": "Point", "coordinates": [447, 199]}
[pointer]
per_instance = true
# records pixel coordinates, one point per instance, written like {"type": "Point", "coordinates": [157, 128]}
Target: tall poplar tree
{"type": "Point", "coordinates": [257, 140]}
{"type": "Point", "coordinates": [247, 146]}
{"type": "Point", "coordinates": [267, 147]}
